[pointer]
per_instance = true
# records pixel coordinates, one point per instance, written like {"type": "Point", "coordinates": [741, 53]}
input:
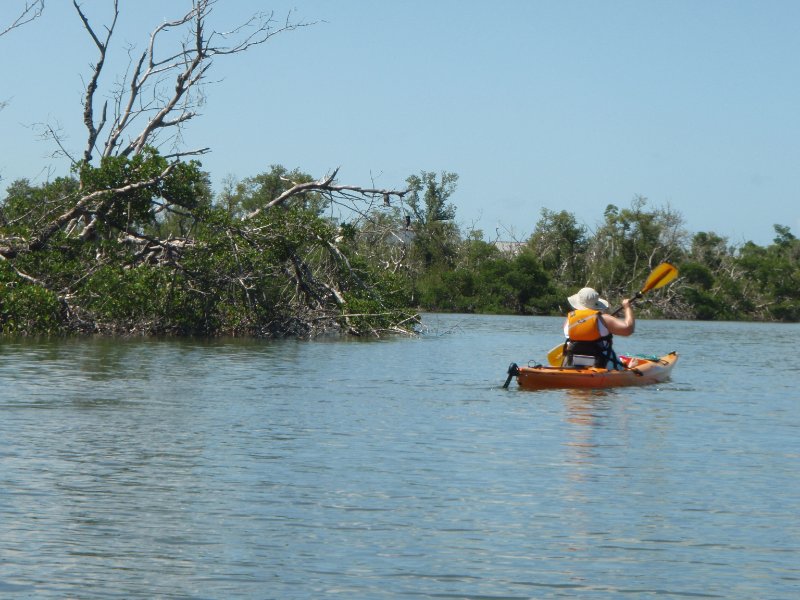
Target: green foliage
{"type": "Point", "coordinates": [130, 187]}
{"type": "Point", "coordinates": [448, 272]}
{"type": "Point", "coordinates": [493, 284]}
{"type": "Point", "coordinates": [26, 207]}
{"type": "Point", "coordinates": [429, 196]}
{"type": "Point", "coordinates": [775, 273]}
{"type": "Point", "coordinates": [28, 309]}
{"type": "Point", "coordinates": [256, 192]}
{"type": "Point", "coordinates": [710, 250]}
{"type": "Point", "coordinates": [630, 243]}
{"type": "Point", "coordinates": [171, 261]}
{"type": "Point", "coordinates": [705, 305]}
{"type": "Point", "coordinates": [129, 298]}
{"type": "Point", "coordinates": [561, 244]}
{"type": "Point", "coordinates": [437, 236]}
{"type": "Point", "coordinates": [698, 275]}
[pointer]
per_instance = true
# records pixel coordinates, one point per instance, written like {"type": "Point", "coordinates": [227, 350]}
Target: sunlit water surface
{"type": "Point", "coordinates": [399, 468]}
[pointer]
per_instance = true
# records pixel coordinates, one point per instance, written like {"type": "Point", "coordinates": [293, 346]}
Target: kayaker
{"type": "Point", "coordinates": [589, 330]}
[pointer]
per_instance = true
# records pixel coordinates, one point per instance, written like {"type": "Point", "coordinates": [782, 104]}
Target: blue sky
{"type": "Point", "coordinates": [562, 104]}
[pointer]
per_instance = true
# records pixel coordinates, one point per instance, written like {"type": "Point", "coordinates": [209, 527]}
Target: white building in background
{"type": "Point", "coordinates": [509, 248]}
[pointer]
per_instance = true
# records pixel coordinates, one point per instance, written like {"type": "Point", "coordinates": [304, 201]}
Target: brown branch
{"type": "Point", "coordinates": [189, 64]}
{"type": "Point", "coordinates": [325, 184]}
{"type": "Point", "coordinates": [31, 11]}
{"type": "Point", "coordinates": [80, 207]}
{"type": "Point", "coordinates": [91, 88]}
{"type": "Point", "coordinates": [260, 23]}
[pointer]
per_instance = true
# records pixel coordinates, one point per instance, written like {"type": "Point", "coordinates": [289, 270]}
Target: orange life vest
{"type": "Point", "coordinates": [584, 326]}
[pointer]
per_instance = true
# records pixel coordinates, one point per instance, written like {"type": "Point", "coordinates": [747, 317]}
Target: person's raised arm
{"type": "Point", "coordinates": [621, 326]}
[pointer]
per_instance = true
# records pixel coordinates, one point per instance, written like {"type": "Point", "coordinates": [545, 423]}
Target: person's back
{"type": "Point", "coordinates": [589, 331]}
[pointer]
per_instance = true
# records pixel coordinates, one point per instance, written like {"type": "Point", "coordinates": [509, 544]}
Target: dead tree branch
{"type": "Point", "coordinates": [91, 88]}
{"type": "Point", "coordinates": [82, 206]}
{"type": "Point", "coordinates": [163, 88]}
{"type": "Point", "coordinates": [326, 185]}
{"type": "Point", "coordinates": [31, 11]}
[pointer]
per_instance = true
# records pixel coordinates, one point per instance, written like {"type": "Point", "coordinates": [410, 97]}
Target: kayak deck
{"type": "Point", "coordinates": [642, 371]}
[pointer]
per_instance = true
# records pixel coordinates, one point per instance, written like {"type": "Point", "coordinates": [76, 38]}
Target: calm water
{"type": "Point", "coordinates": [399, 468]}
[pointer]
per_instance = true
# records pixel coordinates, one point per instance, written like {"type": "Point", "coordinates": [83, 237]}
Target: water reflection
{"type": "Point", "coordinates": [586, 411]}
{"type": "Point", "coordinates": [583, 404]}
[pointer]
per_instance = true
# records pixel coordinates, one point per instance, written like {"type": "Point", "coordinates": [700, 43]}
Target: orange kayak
{"type": "Point", "coordinates": [640, 371]}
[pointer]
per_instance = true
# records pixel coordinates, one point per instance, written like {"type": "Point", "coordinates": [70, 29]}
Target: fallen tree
{"type": "Point", "coordinates": [132, 242]}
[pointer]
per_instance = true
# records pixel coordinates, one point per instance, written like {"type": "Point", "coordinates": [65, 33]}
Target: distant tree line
{"type": "Point", "coordinates": [172, 258]}
{"type": "Point", "coordinates": [718, 280]}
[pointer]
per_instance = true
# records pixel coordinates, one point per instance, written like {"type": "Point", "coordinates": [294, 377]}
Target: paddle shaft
{"type": "Point", "coordinates": [634, 299]}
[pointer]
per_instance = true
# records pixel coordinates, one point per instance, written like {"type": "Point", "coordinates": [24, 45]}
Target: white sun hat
{"type": "Point", "coordinates": [588, 299]}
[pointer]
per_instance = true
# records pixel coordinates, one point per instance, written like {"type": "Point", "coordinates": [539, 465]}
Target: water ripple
{"type": "Point", "coordinates": [394, 469]}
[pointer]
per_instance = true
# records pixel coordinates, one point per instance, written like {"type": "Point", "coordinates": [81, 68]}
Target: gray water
{"type": "Point", "coordinates": [399, 468]}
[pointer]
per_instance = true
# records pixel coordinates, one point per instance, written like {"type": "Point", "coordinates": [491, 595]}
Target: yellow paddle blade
{"type": "Point", "coordinates": [661, 276]}
{"type": "Point", "coordinates": [555, 356]}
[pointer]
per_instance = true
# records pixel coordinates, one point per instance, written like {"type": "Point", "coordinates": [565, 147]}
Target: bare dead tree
{"type": "Point", "coordinates": [160, 93]}
{"type": "Point", "coordinates": [333, 191]}
{"type": "Point", "coordinates": [147, 108]}
{"type": "Point", "coordinates": [163, 87]}
{"type": "Point", "coordinates": [30, 11]}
